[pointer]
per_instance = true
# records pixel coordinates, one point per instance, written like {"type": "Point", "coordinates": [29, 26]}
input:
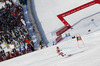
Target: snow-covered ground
{"type": "Point", "coordinates": [81, 56]}
{"type": "Point", "coordinates": [47, 11]}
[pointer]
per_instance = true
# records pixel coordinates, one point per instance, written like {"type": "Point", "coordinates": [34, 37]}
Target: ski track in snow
{"type": "Point", "coordinates": [75, 56]}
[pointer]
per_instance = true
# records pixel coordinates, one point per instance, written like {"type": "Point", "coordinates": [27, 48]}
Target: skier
{"type": "Point", "coordinates": [60, 53]}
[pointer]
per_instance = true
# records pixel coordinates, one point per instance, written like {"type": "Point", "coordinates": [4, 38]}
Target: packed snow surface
{"type": "Point", "coordinates": [88, 55]}
{"type": "Point", "coordinates": [47, 11]}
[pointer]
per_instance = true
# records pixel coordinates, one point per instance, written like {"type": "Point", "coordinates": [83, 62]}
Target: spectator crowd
{"type": "Point", "coordinates": [13, 32]}
{"type": "Point", "coordinates": [23, 2]}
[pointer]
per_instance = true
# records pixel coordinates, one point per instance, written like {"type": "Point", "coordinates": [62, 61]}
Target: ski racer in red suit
{"type": "Point", "coordinates": [60, 53]}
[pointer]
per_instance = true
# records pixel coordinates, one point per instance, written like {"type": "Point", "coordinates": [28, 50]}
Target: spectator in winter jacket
{"type": "Point", "coordinates": [28, 42]}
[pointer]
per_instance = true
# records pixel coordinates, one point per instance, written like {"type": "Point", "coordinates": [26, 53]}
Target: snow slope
{"type": "Point", "coordinates": [46, 12]}
{"type": "Point", "coordinates": [81, 56]}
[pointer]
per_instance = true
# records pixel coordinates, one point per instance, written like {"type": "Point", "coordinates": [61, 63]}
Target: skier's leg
{"type": "Point", "coordinates": [62, 54]}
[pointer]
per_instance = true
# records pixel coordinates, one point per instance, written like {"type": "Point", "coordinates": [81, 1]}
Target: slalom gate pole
{"type": "Point", "coordinates": [77, 41]}
{"type": "Point", "coordinates": [78, 44]}
{"type": "Point", "coordinates": [82, 40]}
{"type": "Point", "coordinates": [83, 43]}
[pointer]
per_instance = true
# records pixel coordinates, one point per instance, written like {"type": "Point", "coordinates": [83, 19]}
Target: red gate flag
{"type": "Point", "coordinates": [79, 39]}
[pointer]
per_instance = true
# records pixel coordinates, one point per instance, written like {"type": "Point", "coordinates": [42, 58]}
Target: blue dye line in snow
{"type": "Point", "coordinates": [85, 18]}
{"type": "Point", "coordinates": [30, 64]}
{"type": "Point", "coordinates": [69, 48]}
{"type": "Point", "coordinates": [94, 24]}
{"type": "Point", "coordinates": [42, 60]}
